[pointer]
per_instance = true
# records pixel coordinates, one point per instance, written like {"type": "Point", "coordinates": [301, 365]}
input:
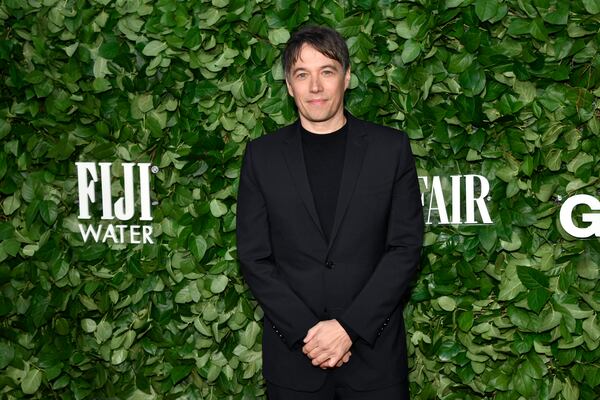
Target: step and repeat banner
{"type": "Point", "coordinates": [122, 126]}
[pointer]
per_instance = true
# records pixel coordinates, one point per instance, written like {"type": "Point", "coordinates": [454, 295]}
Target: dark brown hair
{"type": "Point", "coordinates": [324, 39]}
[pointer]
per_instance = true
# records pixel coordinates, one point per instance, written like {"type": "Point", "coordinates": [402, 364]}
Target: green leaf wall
{"type": "Point", "coordinates": [508, 90]}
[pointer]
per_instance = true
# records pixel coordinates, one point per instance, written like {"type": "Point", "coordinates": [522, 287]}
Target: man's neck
{"type": "Point", "coordinates": [324, 127]}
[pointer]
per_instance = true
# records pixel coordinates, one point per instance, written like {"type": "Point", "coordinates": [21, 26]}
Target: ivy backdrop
{"type": "Point", "coordinates": [506, 89]}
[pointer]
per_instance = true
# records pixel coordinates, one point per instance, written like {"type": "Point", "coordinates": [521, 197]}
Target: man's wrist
{"type": "Point", "coordinates": [349, 331]}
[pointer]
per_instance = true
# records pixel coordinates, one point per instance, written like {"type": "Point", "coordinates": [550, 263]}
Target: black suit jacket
{"type": "Point", "coordinates": [359, 275]}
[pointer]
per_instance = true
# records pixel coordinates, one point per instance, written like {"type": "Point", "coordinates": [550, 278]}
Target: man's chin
{"type": "Point", "coordinates": [313, 117]}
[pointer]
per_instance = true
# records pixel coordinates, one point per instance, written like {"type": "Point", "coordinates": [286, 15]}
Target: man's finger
{"type": "Point", "coordinates": [320, 359]}
{"type": "Point", "coordinates": [331, 362]}
{"type": "Point", "coordinates": [308, 336]}
{"type": "Point", "coordinates": [311, 332]}
{"type": "Point", "coordinates": [346, 357]}
{"type": "Point", "coordinates": [307, 348]}
{"type": "Point", "coordinates": [311, 348]}
{"type": "Point", "coordinates": [318, 354]}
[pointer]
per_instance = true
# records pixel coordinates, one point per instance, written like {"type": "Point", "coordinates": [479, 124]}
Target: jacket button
{"type": "Point", "coordinates": [329, 264]}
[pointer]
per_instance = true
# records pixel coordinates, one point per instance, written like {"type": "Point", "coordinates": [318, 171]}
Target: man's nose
{"type": "Point", "coordinates": [315, 84]}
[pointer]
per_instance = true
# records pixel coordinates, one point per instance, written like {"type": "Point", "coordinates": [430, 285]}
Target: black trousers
{"type": "Point", "coordinates": [333, 390]}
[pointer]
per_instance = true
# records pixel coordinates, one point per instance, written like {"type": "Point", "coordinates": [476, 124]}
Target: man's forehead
{"type": "Point", "coordinates": [310, 55]}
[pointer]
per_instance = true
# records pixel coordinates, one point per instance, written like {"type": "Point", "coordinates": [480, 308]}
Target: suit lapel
{"type": "Point", "coordinates": [356, 146]}
{"type": "Point", "coordinates": [294, 157]}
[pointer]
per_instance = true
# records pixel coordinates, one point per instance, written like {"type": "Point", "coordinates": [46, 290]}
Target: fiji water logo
{"type": "Point", "coordinates": [92, 176]}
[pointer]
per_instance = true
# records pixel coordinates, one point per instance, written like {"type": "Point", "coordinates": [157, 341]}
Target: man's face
{"type": "Point", "coordinates": [317, 83]}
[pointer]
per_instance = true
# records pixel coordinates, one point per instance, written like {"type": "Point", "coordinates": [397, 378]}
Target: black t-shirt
{"type": "Point", "coordinates": [324, 160]}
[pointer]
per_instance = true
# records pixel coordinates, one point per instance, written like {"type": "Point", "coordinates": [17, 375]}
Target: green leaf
{"type": "Point", "coordinates": [552, 160]}
{"type": "Point", "coordinates": [409, 28]}
{"type": "Point", "coordinates": [32, 381]}
{"type": "Point", "coordinates": [570, 390]}
{"type": "Point", "coordinates": [11, 247]}
{"type": "Point", "coordinates": [179, 372]}
{"type": "Point", "coordinates": [103, 331]}
{"type": "Point", "coordinates": [11, 204]}
{"type": "Point", "coordinates": [154, 48]}
{"type": "Point", "coordinates": [459, 62]}
{"type": "Point", "coordinates": [410, 51]}
{"type": "Point", "coordinates": [108, 50]}
{"type": "Point", "coordinates": [48, 211]}
{"type": "Point", "coordinates": [510, 284]}
{"type": "Point", "coordinates": [7, 354]}
{"type": "Point", "coordinates": [538, 30]}
{"type": "Point", "coordinates": [524, 384]}
{"type": "Point", "coordinates": [560, 14]}
{"type": "Point", "coordinates": [590, 326]}
{"type": "Point", "coordinates": [447, 303]}
{"type": "Point", "coordinates": [448, 350]}
{"type": "Point", "coordinates": [465, 321]}
{"type": "Point", "coordinates": [188, 294]}
{"type": "Point", "coordinates": [88, 325]}
{"type": "Point", "coordinates": [219, 283]}
{"type": "Point", "coordinates": [279, 36]}
{"type": "Point", "coordinates": [118, 356]}
{"type": "Point", "coordinates": [592, 6]}
{"type": "Point", "coordinates": [4, 128]}
{"type": "Point", "coordinates": [519, 27]}
{"type": "Point", "coordinates": [534, 366]}
{"type": "Point", "coordinates": [520, 318]}
{"type": "Point", "coordinates": [587, 265]}
{"type": "Point", "coordinates": [100, 70]}
{"type": "Point", "coordinates": [453, 3]}
{"type": "Point", "coordinates": [197, 245]}
{"type": "Point", "coordinates": [532, 278]}
{"type": "Point", "coordinates": [350, 26]}
{"type": "Point", "coordinates": [249, 334]}
{"type": "Point", "coordinates": [472, 80]}
{"type": "Point", "coordinates": [537, 298]}
{"type": "Point", "coordinates": [486, 9]}
{"type": "Point", "coordinates": [213, 372]}
{"type": "Point", "coordinates": [514, 243]}
{"type": "Point", "coordinates": [217, 208]}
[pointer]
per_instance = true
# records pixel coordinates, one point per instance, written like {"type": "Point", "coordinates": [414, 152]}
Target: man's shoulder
{"type": "Point", "coordinates": [383, 133]}
{"type": "Point", "coordinates": [274, 138]}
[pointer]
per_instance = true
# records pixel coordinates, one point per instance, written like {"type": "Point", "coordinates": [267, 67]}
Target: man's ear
{"type": "Point", "coordinates": [347, 77]}
{"type": "Point", "coordinates": [289, 88]}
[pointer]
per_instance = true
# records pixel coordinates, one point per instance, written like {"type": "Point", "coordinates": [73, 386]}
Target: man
{"type": "Point", "coordinates": [329, 233]}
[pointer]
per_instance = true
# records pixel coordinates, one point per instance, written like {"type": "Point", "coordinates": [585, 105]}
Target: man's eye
{"type": "Point", "coordinates": [301, 75]}
{"type": "Point", "coordinates": [327, 72]}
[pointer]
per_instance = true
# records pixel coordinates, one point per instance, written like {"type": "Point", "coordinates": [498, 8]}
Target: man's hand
{"type": "Point", "coordinates": [343, 361]}
{"type": "Point", "coordinates": [327, 344]}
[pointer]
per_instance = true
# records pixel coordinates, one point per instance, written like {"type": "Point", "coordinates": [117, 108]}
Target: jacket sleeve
{"type": "Point", "coordinates": [370, 310]}
{"type": "Point", "coordinates": [291, 317]}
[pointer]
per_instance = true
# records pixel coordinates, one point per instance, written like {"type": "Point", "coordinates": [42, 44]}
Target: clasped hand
{"type": "Point", "coordinates": [327, 344]}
